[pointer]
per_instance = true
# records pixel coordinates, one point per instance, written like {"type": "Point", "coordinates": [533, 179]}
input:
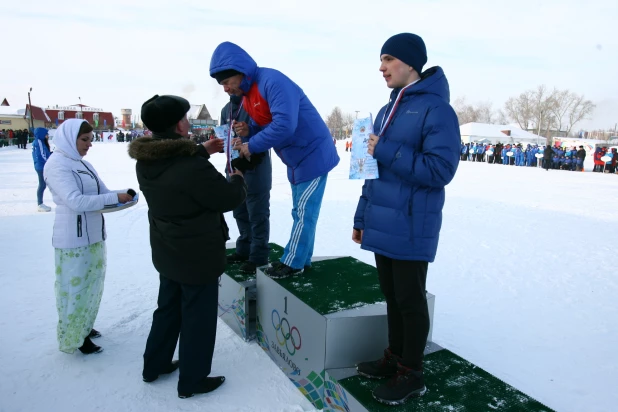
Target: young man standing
{"type": "Point", "coordinates": [282, 118]}
{"type": "Point", "coordinates": [416, 142]}
{"type": "Point", "coordinates": [253, 215]}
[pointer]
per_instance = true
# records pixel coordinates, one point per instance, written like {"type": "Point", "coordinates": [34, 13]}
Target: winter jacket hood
{"type": "Point", "coordinates": [231, 56]}
{"type": "Point", "coordinates": [40, 133]}
{"type": "Point", "coordinates": [282, 116]}
{"type": "Point", "coordinates": [65, 138]}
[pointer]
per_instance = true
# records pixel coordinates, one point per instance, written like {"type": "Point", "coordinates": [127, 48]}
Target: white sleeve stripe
{"type": "Point", "coordinates": [42, 151]}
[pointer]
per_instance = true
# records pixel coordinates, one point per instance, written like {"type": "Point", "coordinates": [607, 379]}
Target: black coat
{"type": "Point", "coordinates": [548, 153]}
{"type": "Point", "coordinates": [581, 154]}
{"type": "Point", "coordinates": [186, 199]}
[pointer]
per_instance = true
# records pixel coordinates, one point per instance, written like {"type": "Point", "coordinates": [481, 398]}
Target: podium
{"type": "Point", "coordinates": [237, 295]}
{"type": "Point", "coordinates": [453, 384]}
{"type": "Point", "coordinates": [318, 325]}
{"type": "Point", "coordinates": [330, 317]}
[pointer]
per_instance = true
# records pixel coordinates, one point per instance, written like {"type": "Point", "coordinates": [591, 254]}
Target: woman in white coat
{"type": "Point", "coordinates": [79, 234]}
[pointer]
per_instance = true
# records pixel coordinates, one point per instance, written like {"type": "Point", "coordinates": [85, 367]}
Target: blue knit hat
{"type": "Point", "coordinates": [407, 47]}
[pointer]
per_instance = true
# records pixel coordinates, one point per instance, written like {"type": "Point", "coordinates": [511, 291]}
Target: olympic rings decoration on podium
{"type": "Point", "coordinates": [283, 323]}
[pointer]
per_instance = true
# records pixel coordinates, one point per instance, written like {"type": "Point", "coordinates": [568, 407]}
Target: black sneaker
{"type": "Point", "coordinates": [281, 271]}
{"type": "Point", "coordinates": [236, 258]}
{"type": "Point", "coordinates": [88, 348]}
{"type": "Point", "coordinates": [94, 334]}
{"type": "Point", "coordinates": [170, 368]}
{"type": "Point", "coordinates": [407, 384]}
{"type": "Point", "coordinates": [248, 268]}
{"type": "Point", "coordinates": [385, 367]}
{"type": "Point", "coordinates": [205, 386]}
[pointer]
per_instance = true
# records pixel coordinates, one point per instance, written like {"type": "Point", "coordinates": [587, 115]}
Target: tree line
{"type": "Point", "coordinates": [543, 111]}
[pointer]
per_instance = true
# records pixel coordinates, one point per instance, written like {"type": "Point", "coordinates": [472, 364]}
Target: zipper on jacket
{"type": "Point", "coordinates": [79, 225]}
{"type": "Point", "coordinates": [94, 176]}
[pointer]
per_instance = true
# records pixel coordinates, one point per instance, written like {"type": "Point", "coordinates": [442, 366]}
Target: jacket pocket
{"type": "Point", "coordinates": [79, 225]}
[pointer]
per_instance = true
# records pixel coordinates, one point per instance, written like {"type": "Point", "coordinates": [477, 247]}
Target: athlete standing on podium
{"type": "Point", "coordinates": [399, 215]}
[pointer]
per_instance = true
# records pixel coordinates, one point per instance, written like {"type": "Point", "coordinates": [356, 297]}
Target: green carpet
{"type": "Point", "coordinates": [453, 384]}
{"type": "Point", "coordinates": [335, 285]}
{"type": "Point", "coordinates": [232, 271]}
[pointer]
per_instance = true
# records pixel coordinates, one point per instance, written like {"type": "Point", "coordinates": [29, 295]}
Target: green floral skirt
{"type": "Point", "coordinates": [80, 273]}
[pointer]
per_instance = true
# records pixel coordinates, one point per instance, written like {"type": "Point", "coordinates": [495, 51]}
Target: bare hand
{"type": "Point", "coordinates": [237, 141]}
{"type": "Point", "coordinates": [244, 151]}
{"type": "Point", "coordinates": [240, 128]}
{"type": "Point", "coordinates": [124, 197]}
{"type": "Point", "coordinates": [373, 141]}
{"type": "Point", "coordinates": [213, 146]}
{"type": "Point", "coordinates": [237, 172]}
{"type": "Point", "coordinates": [357, 235]}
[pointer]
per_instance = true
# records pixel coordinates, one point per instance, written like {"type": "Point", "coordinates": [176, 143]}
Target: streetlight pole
{"type": "Point", "coordinates": [31, 116]}
{"type": "Point", "coordinates": [357, 113]}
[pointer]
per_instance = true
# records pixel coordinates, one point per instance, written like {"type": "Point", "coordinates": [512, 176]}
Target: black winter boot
{"type": "Point", "coordinates": [236, 258]}
{"type": "Point", "coordinates": [205, 386]}
{"type": "Point", "coordinates": [169, 369]}
{"type": "Point", "coordinates": [248, 268]}
{"type": "Point", "coordinates": [281, 271]}
{"type": "Point", "coordinates": [408, 383]}
{"type": "Point", "coordinates": [385, 367]}
{"type": "Point", "coordinates": [89, 348]}
{"type": "Point", "coordinates": [94, 334]}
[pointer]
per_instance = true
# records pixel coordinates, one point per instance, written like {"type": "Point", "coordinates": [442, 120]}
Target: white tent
{"type": "Point", "coordinates": [494, 133]}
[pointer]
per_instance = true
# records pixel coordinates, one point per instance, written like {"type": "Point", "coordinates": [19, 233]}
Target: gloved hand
{"type": "Point", "coordinates": [243, 164]}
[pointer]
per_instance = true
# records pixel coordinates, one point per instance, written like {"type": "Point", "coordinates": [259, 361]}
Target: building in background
{"type": "Point", "coordinates": [126, 118]}
{"type": "Point", "coordinates": [20, 119]}
{"type": "Point", "coordinates": [98, 118]}
{"type": "Point", "coordinates": [200, 119]}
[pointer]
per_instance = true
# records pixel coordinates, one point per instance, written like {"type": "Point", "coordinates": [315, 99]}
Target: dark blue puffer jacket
{"type": "Point", "coordinates": [401, 212]}
{"type": "Point", "coordinates": [40, 150]}
{"type": "Point", "coordinates": [297, 133]}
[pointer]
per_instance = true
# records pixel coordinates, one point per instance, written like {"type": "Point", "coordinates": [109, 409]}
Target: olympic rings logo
{"type": "Point", "coordinates": [288, 337]}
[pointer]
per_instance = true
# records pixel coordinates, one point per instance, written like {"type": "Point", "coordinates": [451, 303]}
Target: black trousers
{"type": "Point", "coordinates": [191, 312]}
{"type": "Point", "coordinates": [403, 284]}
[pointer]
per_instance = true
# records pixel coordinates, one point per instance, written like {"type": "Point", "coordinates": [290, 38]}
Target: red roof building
{"type": "Point", "coordinates": [38, 115]}
{"type": "Point", "coordinates": [98, 118]}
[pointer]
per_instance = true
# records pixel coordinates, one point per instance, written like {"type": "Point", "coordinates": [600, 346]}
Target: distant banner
{"type": "Point", "coordinates": [108, 137]}
{"type": "Point", "coordinates": [362, 164]}
{"type": "Point", "coordinates": [5, 121]}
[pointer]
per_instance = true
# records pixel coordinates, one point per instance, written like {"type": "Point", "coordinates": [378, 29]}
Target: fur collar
{"type": "Point", "coordinates": [149, 149]}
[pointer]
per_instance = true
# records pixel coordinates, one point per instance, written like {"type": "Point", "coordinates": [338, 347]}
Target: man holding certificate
{"type": "Point", "coordinates": [416, 142]}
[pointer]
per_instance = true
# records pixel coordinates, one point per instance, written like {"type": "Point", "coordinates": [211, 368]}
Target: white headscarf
{"type": "Point", "coordinates": [65, 138]}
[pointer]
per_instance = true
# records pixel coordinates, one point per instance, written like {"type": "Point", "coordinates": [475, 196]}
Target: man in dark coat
{"type": "Point", "coordinates": [581, 156]}
{"type": "Point", "coordinates": [548, 153]}
{"type": "Point", "coordinates": [253, 215]}
{"type": "Point", "coordinates": [416, 143]}
{"type": "Point", "coordinates": [186, 199]}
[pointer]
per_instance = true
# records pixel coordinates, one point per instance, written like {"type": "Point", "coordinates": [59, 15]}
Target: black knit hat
{"type": "Point", "coordinates": [407, 47]}
{"type": "Point", "coordinates": [225, 74]}
{"type": "Point", "coordinates": [159, 113]}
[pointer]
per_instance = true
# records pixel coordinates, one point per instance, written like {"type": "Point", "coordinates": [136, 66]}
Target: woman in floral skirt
{"type": "Point", "coordinates": [79, 235]}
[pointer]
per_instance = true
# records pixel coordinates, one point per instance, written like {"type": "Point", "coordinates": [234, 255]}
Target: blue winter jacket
{"type": "Point", "coordinates": [40, 151]}
{"type": "Point", "coordinates": [296, 132]}
{"type": "Point", "coordinates": [401, 212]}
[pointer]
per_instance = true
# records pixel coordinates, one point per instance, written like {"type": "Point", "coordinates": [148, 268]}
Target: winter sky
{"type": "Point", "coordinates": [116, 53]}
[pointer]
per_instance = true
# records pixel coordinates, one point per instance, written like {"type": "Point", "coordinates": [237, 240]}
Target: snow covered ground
{"type": "Point", "coordinates": [525, 282]}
